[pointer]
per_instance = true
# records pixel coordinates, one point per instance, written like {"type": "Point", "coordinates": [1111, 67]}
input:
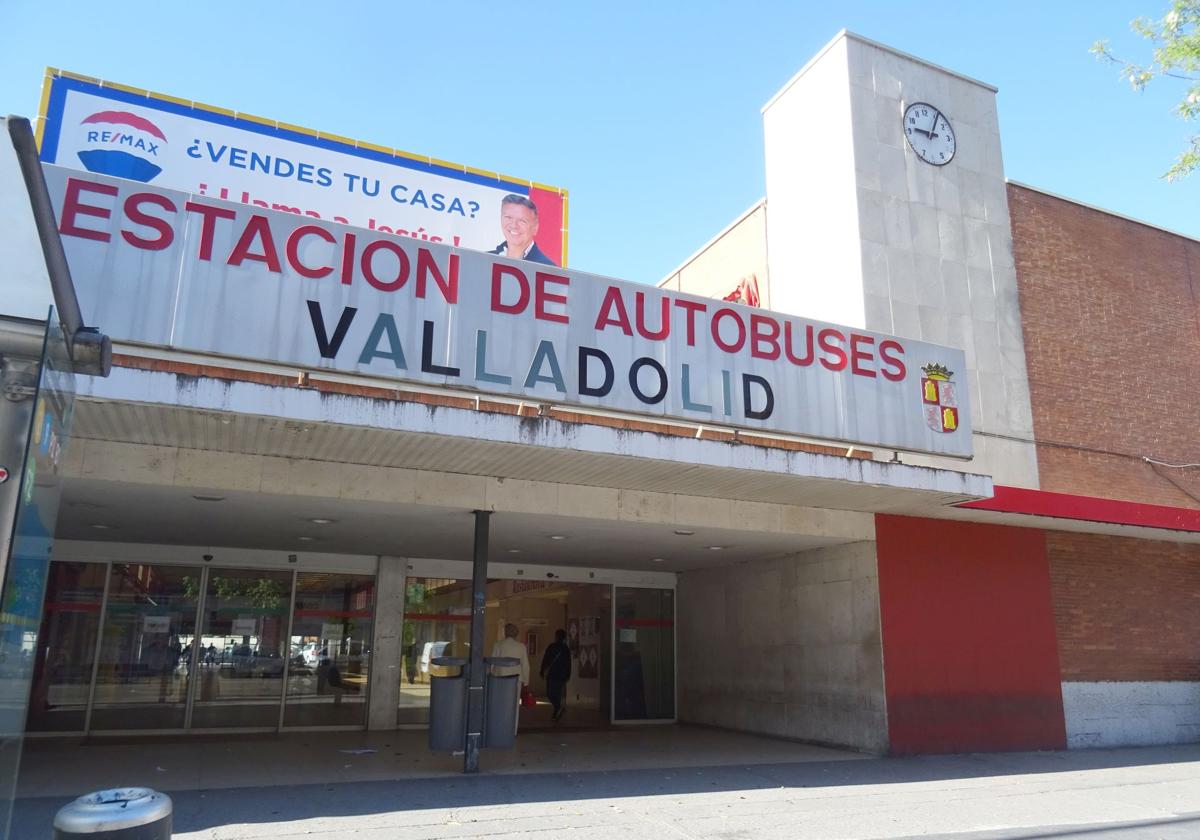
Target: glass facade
{"type": "Point", "coordinates": [159, 647]}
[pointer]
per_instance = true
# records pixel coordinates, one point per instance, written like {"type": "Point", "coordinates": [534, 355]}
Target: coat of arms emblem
{"type": "Point", "coordinates": [940, 398]}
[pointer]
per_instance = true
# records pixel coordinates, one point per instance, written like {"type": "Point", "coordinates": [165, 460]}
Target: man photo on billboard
{"type": "Point", "coordinates": [519, 223]}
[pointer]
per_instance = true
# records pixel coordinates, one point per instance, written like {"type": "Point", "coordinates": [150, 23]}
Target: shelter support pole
{"type": "Point", "coordinates": [475, 675]}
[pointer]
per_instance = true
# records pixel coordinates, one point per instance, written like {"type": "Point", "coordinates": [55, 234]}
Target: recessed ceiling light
{"type": "Point", "coordinates": [716, 548]}
{"type": "Point", "coordinates": [209, 498]}
{"type": "Point", "coordinates": [514, 551]}
{"type": "Point", "coordinates": [100, 526]}
{"type": "Point", "coordinates": [557, 537]}
{"type": "Point", "coordinates": [320, 521]}
{"type": "Point", "coordinates": [306, 539]}
{"type": "Point", "coordinates": [681, 532]}
{"type": "Point", "coordinates": [656, 560]}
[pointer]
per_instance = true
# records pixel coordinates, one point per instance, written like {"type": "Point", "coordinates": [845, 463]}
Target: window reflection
{"type": "Point", "coordinates": [437, 622]}
{"type": "Point", "coordinates": [245, 619]}
{"type": "Point", "coordinates": [145, 647]}
{"type": "Point", "coordinates": [66, 647]}
{"type": "Point", "coordinates": [330, 650]}
{"type": "Point", "coordinates": [644, 687]}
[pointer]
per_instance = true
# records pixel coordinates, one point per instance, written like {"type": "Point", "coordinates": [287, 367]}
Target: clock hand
{"type": "Point", "coordinates": [931, 133]}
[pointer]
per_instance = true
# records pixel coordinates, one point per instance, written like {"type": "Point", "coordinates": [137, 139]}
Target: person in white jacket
{"type": "Point", "coordinates": [509, 646]}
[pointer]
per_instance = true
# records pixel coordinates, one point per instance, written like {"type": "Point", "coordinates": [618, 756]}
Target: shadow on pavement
{"type": "Point", "coordinates": [198, 810]}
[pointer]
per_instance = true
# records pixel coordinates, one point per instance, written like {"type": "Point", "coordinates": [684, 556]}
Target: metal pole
{"type": "Point", "coordinates": [475, 673]}
{"type": "Point", "coordinates": [198, 633]}
{"type": "Point", "coordinates": [91, 700]}
{"type": "Point", "coordinates": [287, 649]}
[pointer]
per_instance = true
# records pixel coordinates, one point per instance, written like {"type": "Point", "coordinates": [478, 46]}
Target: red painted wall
{"type": "Point", "coordinates": [970, 660]}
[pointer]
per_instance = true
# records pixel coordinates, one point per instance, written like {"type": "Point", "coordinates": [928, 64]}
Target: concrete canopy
{"type": "Point", "coordinates": [399, 478]}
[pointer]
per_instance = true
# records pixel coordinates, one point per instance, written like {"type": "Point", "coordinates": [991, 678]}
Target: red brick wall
{"type": "Point", "coordinates": [1125, 609]}
{"type": "Point", "coordinates": [969, 657]}
{"type": "Point", "coordinates": [1111, 314]}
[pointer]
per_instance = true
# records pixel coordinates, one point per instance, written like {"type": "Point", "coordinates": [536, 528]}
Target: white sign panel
{"type": "Point", "coordinates": [156, 623]}
{"type": "Point", "coordinates": [243, 627]}
{"type": "Point", "coordinates": [141, 136]}
{"type": "Point", "coordinates": [165, 268]}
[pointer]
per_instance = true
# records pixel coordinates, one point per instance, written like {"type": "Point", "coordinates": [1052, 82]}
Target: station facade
{"type": "Point", "coordinates": [250, 544]}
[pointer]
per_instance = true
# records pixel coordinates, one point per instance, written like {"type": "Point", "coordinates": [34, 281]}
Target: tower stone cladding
{"type": "Point", "coordinates": [862, 232]}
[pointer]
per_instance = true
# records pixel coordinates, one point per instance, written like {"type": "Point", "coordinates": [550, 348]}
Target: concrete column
{"type": "Point", "coordinates": [387, 642]}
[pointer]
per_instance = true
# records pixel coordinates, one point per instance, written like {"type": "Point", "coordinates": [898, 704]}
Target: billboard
{"type": "Point", "coordinates": [112, 129]}
{"type": "Point", "coordinates": [171, 269]}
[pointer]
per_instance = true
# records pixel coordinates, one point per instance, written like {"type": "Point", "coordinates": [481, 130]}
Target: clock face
{"type": "Point", "coordinates": [929, 133]}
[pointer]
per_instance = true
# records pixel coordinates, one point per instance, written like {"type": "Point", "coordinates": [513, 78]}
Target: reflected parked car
{"type": "Point", "coordinates": [256, 663]}
{"type": "Point", "coordinates": [312, 654]}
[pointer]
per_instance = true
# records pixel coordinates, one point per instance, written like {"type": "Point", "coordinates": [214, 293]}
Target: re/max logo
{"type": "Point", "coordinates": [119, 138]}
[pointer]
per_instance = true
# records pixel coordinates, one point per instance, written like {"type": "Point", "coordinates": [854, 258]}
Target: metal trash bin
{"type": "Point", "coordinates": [500, 698]}
{"type": "Point", "coordinates": [448, 706]}
{"type": "Point", "coordinates": [131, 813]}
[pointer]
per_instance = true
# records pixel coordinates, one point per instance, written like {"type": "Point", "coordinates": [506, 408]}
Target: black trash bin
{"type": "Point", "coordinates": [448, 706]}
{"type": "Point", "coordinates": [118, 814]}
{"type": "Point", "coordinates": [500, 698]}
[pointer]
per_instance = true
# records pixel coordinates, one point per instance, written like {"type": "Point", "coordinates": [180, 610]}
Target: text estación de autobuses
{"type": "Point", "coordinates": [390, 265]}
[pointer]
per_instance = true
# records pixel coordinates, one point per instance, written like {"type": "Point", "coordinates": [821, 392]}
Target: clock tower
{"type": "Point", "coordinates": [887, 209]}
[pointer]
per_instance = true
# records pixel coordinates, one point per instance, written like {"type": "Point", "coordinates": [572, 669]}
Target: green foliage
{"type": "Point", "coordinates": [262, 593]}
{"type": "Point", "coordinates": [191, 588]}
{"type": "Point", "coordinates": [1176, 40]}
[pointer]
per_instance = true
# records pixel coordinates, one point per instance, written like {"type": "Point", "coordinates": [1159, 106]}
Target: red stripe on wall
{"type": "Point", "coordinates": [645, 622]}
{"type": "Point", "coordinates": [333, 613]}
{"type": "Point", "coordinates": [969, 650]}
{"type": "Point", "coordinates": [1088, 509]}
{"type": "Point", "coordinates": [435, 617]}
{"type": "Point", "coordinates": [71, 606]}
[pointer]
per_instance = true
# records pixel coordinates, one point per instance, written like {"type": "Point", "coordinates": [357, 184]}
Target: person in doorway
{"type": "Point", "coordinates": [509, 646]}
{"type": "Point", "coordinates": [519, 224]}
{"type": "Point", "coordinates": [413, 652]}
{"type": "Point", "coordinates": [329, 679]}
{"type": "Point", "coordinates": [556, 668]}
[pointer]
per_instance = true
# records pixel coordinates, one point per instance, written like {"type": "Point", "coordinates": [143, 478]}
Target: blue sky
{"type": "Point", "coordinates": [649, 113]}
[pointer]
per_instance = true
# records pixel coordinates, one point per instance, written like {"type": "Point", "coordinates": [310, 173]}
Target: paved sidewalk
{"type": "Point", "coordinates": [57, 767]}
{"type": "Point", "coordinates": [1089, 795]}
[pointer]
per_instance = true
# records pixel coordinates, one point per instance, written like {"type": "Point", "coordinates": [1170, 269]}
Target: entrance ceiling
{"type": "Point", "coordinates": [663, 463]}
{"type": "Point", "coordinates": [123, 512]}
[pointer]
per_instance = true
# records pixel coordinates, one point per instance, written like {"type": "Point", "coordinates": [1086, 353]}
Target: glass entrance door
{"type": "Point", "coordinates": [330, 646]}
{"type": "Point", "coordinates": [143, 672]}
{"type": "Point", "coordinates": [644, 661]}
{"type": "Point", "coordinates": [243, 634]}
